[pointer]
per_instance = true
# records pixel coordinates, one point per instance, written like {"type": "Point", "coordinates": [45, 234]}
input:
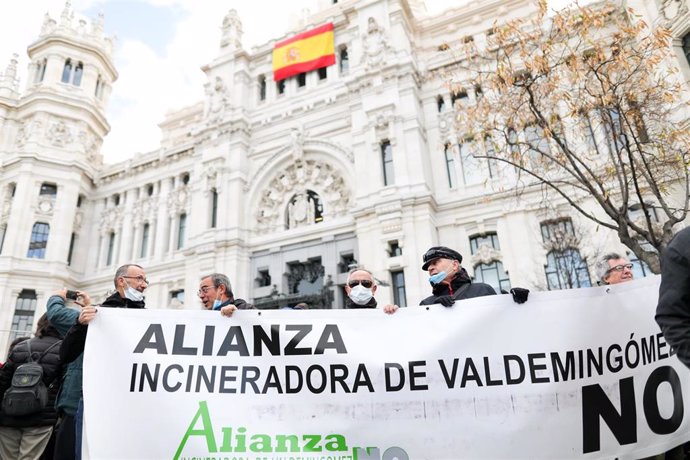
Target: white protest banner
{"type": "Point", "coordinates": [583, 373]}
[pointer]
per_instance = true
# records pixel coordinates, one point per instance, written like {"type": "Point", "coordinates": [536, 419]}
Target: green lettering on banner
{"type": "Point", "coordinates": [206, 430]}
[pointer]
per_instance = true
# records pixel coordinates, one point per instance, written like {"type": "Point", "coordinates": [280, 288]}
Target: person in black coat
{"type": "Point", "coordinates": [449, 281]}
{"type": "Point", "coordinates": [673, 310]}
{"type": "Point", "coordinates": [27, 436]}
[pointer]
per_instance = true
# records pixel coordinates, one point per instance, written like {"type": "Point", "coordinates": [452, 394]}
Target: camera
{"type": "Point", "coordinates": [72, 295]}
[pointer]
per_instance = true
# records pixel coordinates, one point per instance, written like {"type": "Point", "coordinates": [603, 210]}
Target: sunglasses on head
{"type": "Point", "coordinates": [366, 283]}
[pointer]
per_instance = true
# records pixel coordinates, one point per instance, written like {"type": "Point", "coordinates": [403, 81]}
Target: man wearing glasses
{"type": "Point", "coordinates": [130, 283]}
{"type": "Point", "coordinates": [360, 289]}
{"type": "Point", "coordinates": [215, 293]}
{"type": "Point", "coordinates": [614, 269]}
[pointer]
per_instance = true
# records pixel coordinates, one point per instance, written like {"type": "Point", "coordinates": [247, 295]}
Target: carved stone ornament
{"type": "Point", "coordinates": [673, 8]}
{"type": "Point", "coordinates": [144, 210]}
{"type": "Point", "coordinates": [485, 254]}
{"type": "Point", "coordinates": [45, 205]}
{"type": "Point", "coordinates": [111, 219]}
{"type": "Point", "coordinates": [179, 200]}
{"type": "Point", "coordinates": [376, 45]}
{"type": "Point", "coordinates": [59, 134]}
{"type": "Point", "coordinates": [78, 220]}
{"type": "Point", "coordinates": [231, 30]}
{"type": "Point", "coordinates": [217, 100]}
{"type": "Point", "coordinates": [277, 203]}
{"type": "Point", "coordinates": [297, 143]}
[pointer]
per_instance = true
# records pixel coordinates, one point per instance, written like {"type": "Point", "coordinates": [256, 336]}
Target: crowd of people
{"type": "Point", "coordinates": [41, 382]}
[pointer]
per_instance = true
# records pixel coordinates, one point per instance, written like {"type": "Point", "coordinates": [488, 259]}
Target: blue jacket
{"type": "Point", "coordinates": [63, 318]}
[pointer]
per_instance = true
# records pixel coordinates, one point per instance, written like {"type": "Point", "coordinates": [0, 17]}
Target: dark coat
{"type": "Point", "coordinates": [461, 287]}
{"type": "Point", "coordinates": [75, 339]}
{"type": "Point", "coordinates": [673, 310]}
{"type": "Point", "coordinates": [241, 304]}
{"type": "Point", "coordinates": [52, 375]}
{"type": "Point", "coordinates": [350, 304]}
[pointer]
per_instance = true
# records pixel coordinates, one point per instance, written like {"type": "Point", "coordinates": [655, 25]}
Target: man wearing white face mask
{"type": "Point", "coordinates": [130, 283]}
{"type": "Point", "coordinates": [360, 289]}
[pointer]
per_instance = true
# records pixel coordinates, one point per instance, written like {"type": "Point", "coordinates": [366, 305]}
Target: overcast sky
{"type": "Point", "coordinates": [161, 45]}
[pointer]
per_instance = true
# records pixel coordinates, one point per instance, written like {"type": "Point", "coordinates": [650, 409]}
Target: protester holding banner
{"type": "Point", "coordinates": [360, 289]}
{"type": "Point", "coordinates": [130, 283]}
{"type": "Point", "coordinates": [613, 269]}
{"type": "Point", "coordinates": [215, 293]}
{"type": "Point", "coordinates": [26, 435]}
{"type": "Point", "coordinates": [449, 281]}
{"type": "Point", "coordinates": [673, 310]}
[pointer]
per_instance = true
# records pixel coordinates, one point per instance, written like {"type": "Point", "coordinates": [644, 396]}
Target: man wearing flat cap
{"type": "Point", "coordinates": [449, 281]}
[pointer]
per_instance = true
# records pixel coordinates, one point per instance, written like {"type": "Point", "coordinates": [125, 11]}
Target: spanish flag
{"type": "Point", "coordinates": [307, 51]}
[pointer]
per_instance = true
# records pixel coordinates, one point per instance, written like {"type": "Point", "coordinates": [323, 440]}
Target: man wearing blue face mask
{"type": "Point", "coordinates": [449, 281]}
{"type": "Point", "coordinates": [215, 293]}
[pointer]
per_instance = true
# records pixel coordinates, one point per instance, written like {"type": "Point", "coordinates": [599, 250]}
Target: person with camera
{"type": "Point", "coordinates": [27, 413]}
{"type": "Point", "coordinates": [130, 283]}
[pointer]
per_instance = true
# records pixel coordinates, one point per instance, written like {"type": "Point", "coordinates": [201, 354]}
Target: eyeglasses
{"type": "Point", "coordinates": [620, 268]}
{"type": "Point", "coordinates": [204, 290]}
{"type": "Point", "coordinates": [139, 278]}
{"type": "Point", "coordinates": [366, 283]}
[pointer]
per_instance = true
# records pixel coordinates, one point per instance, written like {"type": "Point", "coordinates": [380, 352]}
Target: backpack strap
{"type": "Point", "coordinates": [28, 347]}
{"type": "Point", "coordinates": [462, 290]}
{"type": "Point", "coordinates": [58, 342]}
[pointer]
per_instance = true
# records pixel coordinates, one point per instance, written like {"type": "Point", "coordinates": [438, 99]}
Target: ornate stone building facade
{"type": "Point", "coordinates": [282, 186]}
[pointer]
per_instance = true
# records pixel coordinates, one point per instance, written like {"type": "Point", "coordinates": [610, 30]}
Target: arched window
{"type": "Point", "coordinates": [39, 240]}
{"type": "Point", "coordinates": [304, 208]}
{"type": "Point", "coordinates": [686, 47]}
{"type": "Point", "coordinates": [387, 159]}
{"type": "Point", "coordinates": [67, 71]}
{"type": "Point", "coordinates": [450, 166]}
{"type": "Point", "coordinates": [78, 72]}
{"type": "Point", "coordinates": [40, 70]}
{"type": "Point", "coordinates": [344, 60]}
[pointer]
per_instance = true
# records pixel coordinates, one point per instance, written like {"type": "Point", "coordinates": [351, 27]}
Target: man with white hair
{"type": "Point", "coordinates": [613, 269]}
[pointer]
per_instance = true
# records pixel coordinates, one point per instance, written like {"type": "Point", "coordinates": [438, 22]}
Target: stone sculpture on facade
{"type": "Point", "coordinates": [217, 100]}
{"type": "Point", "coordinates": [375, 43]}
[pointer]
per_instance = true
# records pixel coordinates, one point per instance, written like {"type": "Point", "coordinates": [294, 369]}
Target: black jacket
{"type": "Point", "coordinates": [461, 287]}
{"type": "Point", "coordinates": [350, 304]}
{"type": "Point", "coordinates": [673, 311]}
{"type": "Point", "coordinates": [75, 339]}
{"type": "Point", "coordinates": [52, 374]}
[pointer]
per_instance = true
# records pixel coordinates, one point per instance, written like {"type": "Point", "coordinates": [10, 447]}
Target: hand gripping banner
{"type": "Point", "coordinates": [583, 373]}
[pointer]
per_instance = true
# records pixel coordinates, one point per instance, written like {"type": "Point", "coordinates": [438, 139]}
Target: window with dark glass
{"type": "Point", "coordinates": [344, 61]}
{"type": "Point", "coordinates": [301, 80]}
{"type": "Point", "coordinates": [111, 249]}
{"type": "Point", "coordinates": [3, 231]}
{"type": "Point", "coordinates": [399, 297]}
{"type": "Point", "coordinates": [40, 71]}
{"type": "Point", "coordinates": [144, 241]}
{"type": "Point", "coordinates": [149, 190]}
{"type": "Point", "coordinates": [177, 294]}
{"type": "Point", "coordinates": [181, 230]}
{"type": "Point", "coordinates": [347, 263]}
{"type": "Point", "coordinates": [323, 73]}
{"type": "Point", "coordinates": [262, 88]}
{"type": "Point", "coordinates": [39, 240]}
{"type": "Point", "coordinates": [67, 71]}
{"type": "Point", "coordinates": [263, 278]}
{"type": "Point", "coordinates": [387, 159]}
{"type": "Point", "coordinates": [440, 104]}
{"type": "Point", "coordinates": [80, 200]}
{"type": "Point", "coordinates": [565, 268]}
{"type": "Point", "coordinates": [394, 249]}
{"type": "Point", "coordinates": [78, 72]}
{"type": "Point", "coordinates": [214, 208]}
{"type": "Point", "coordinates": [116, 199]}
{"type": "Point", "coordinates": [459, 95]}
{"type": "Point", "coordinates": [23, 317]}
{"type": "Point", "coordinates": [48, 189]}
{"type": "Point", "coordinates": [280, 86]}
{"type": "Point", "coordinates": [450, 166]}
{"type": "Point", "coordinates": [491, 273]}
{"type": "Point", "coordinates": [70, 252]}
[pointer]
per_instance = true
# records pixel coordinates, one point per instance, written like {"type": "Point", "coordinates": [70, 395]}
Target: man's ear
{"type": "Point", "coordinates": [223, 289]}
{"type": "Point", "coordinates": [373, 289]}
{"type": "Point", "coordinates": [347, 289]}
